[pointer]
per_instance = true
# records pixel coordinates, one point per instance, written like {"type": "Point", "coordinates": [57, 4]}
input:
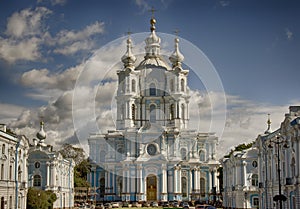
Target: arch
{"type": "Point", "coordinates": [202, 155]}
{"type": "Point", "coordinates": [151, 185]}
{"type": "Point", "coordinates": [152, 113]}
{"type": "Point", "coordinates": [202, 187]}
{"type": "Point", "coordinates": [2, 204]}
{"type": "Point", "coordinates": [293, 167]}
{"type": "Point", "coordinates": [172, 112]}
{"type": "Point", "coordinates": [152, 90]}
{"type": "Point", "coordinates": [182, 112]}
{"type": "Point", "coordinates": [183, 154]}
{"type": "Point", "coordinates": [254, 180]}
{"type": "Point", "coordinates": [172, 85]}
{"type": "Point", "coordinates": [184, 187]}
{"type": "Point", "coordinates": [37, 180]}
{"type": "Point", "coordinates": [133, 112]}
{"type": "Point", "coordinates": [102, 187]}
{"type": "Point", "coordinates": [182, 84]}
{"type": "Point", "coordinates": [133, 85]}
{"type": "Point", "coordinates": [119, 186]}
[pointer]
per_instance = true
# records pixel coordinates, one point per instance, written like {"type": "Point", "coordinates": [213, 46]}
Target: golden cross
{"type": "Point", "coordinates": [152, 10]}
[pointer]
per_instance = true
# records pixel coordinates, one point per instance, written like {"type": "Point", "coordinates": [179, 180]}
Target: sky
{"type": "Point", "coordinates": [45, 45]}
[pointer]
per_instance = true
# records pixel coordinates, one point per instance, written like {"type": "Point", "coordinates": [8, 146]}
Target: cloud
{"type": "Point", "coordinates": [54, 2]}
{"type": "Point", "coordinates": [224, 3]}
{"type": "Point", "coordinates": [142, 4]}
{"type": "Point", "coordinates": [289, 34]}
{"type": "Point", "coordinates": [13, 50]}
{"type": "Point", "coordinates": [27, 22]}
{"type": "Point", "coordinates": [27, 37]}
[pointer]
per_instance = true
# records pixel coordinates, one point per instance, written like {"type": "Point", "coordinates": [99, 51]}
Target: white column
{"type": "Point", "coordinates": [244, 173]}
{"type": "Point", "coordinates": [48, 174]}
{"type": "Point", "coordinates": [196, 178]}
{"type": "Point", "coordinates": [179, 180]}
{"type": "Point", "coordinates": [175, 179]}
{"type": "Point", "coordinates": [164, 179]}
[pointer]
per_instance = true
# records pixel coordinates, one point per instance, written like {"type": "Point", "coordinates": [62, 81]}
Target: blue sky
{"type": "Point", "coordinates": [253, 44]}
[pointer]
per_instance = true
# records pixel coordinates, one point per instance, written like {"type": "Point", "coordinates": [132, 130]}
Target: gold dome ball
{"type": "Point", "coordinates": [152, 21]}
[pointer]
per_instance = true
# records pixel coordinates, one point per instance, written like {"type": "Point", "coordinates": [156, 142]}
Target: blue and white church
{"type": "Point", "coordinates": [153, 155]}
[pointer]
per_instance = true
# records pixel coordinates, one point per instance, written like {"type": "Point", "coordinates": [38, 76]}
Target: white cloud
{"type": "Point", "coordinates": [142, 4]}
{"type": "Point", "coordinates": [27, 22]}
{"type": "Point", "coordinates": [13, 50]}
{"type": "Point", "coordinates": [75, 47]}
{"type": "Point", "coordinates": [54, 2]}
{"type": "Point", "coordinates": [66, 36]}
{"type": "Point", "coordinates": [289, 34]}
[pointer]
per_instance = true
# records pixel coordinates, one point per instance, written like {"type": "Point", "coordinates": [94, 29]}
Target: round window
{"type": "Point", "coordinates": [37, 165]}
{"type": "Point", "coordinates": [151, 149]}
{"type": "Point", "coordinates": [254, 164]}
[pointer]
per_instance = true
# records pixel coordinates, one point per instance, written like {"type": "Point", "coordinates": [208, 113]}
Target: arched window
{"type": "Point", "coordinates": [3, 148]}
{"type": "Point", "coordinates": [254, 180]}
{"type": "Point", "coordinates": [202, 155]}
{"type": "Point", "coordinates": [122, 113]}
{"type": "Point", "coordinates": [133, 112]}
{"type": "Point", "coordinates": [255, 201]}
{"type": "Point", "coordinates": [183, 154]}
{"type": "Point", "coordinates": [293, 167]}
{"type": "Point", "coordinates": [171, 85]}
{"type": "Point", "coordinates": [202, 186]}
{"type": "Point", "coordinates": [152, 113]}
{"type": "Point", "coordinates": [152, 89]}
{"type": "Point", "coordinates": [182, 112]}
{"type": "Point", "coordinates": [172, 111]}
{"type": "Point", "coordinates": [37, 181]}
{"type": "Point", "coordinates": [183, 186]}
{"type": "Point", "coordinates": [133, 85]}
{"type": "Point", "coordinates": [182, 84]}
{"type": "Point", "coordinates": [19, 173]}
{"type": "Point", "coordinates": [102, 187]}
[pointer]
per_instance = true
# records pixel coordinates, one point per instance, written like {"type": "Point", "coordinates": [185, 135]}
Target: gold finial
{"type": "Point", "coordinates": [129, 32]}
{"type": "Point", "coordinates": [42, 121]}
{"type": "Point", "coordinates": [152, 21]}
{"type": "Point", "coordinates": [269, 120]}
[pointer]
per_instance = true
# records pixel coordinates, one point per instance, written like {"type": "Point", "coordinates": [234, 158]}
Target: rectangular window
{"type": "Point", "coordinates": [2, 171]}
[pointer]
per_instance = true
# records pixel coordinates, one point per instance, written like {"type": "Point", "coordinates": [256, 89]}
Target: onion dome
{"type": "Point", "coordinates": [128, 58]}
{"type": "Point", "coordinates": [41, 135]}
{"type": "Point", "coordinates": [176, 57]}
{"type": "Point", "coordinates": [152, 42]}
{"type": "Point", "coordinates": [268, 131]}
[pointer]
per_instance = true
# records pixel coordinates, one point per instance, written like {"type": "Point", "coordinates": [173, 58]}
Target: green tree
{"type": "Point", "coordinates": [82, 164]}
{"type": "Point", "coordinates": [40, 199]}
{"type": "Point", "coordinates": [240, 147]}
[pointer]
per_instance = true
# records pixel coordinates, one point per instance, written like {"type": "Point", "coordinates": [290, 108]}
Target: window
{"type": "Point", "coordinates": [102, 187]}
{"type": "Point", "coordinates": [183, 187]}
{"type": "Point", "coordinates": [133, 112]}
{"type": "Point", "coordinates": [202, 186]}
{"type": "Point", "coordinates": [255, 201]}
{"type": "Point", "coordinates": [10, 202]}
{"type": "Point", "coordinates": [19, 173]}
{"type": "Point", "coordinates": [183, 154]}
{"type": "Point", "coordinates": [37, 165]}
{"type": "Point", "coordinates": [152, 113]}
{"type": "Point", "coordinates": [171, 85]}
{"type": "Point", "coordinates": [182, 83]}
{"type": "Point", "coordinates": [172, 111]}
{"type": "Point", "coordinates": [133, 85]}
{"type": "Point", "coordinates": [3, 148]}
{"type": "Point", "coordinates": [293, 167]}
{"type": "Point", "coordinates": [202, 155]}
{"type": "Point", "coordinates": [182, 112]}
{"type": "Point", "coordinates": [152, 89]}
{"type": "Point", "coordinates": [2, 171]}
{"type": "Point", "coordinates": [37, 180]}
{"type": "Point", "coordinates": [10, 172]}
{"type": "Point", "coordinates": [254, 180]}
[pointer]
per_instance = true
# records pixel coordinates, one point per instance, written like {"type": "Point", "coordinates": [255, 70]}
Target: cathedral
{"type": "Point", "coordinates": [152, 155]}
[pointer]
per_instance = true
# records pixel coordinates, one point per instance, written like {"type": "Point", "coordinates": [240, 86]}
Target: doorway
{"type": "Point", "coordinates": [151, 188]}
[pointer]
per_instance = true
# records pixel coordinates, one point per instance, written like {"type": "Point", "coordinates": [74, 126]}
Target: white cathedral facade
{"type": "Point", "coordinates": [153, 155]}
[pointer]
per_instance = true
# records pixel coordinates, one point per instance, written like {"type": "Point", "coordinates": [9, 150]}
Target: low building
{"type": "Point", "coordinates": [48, 170]}
{"type": "Point", "coordinates": [279, 163]}
{"type": "Point", "coordinates": [13, 169]}
{"type": "Point", "coordinates": [240, 179]}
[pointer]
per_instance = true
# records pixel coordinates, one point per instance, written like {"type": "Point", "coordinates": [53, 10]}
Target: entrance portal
{"type": "Point", "coordinates": [151, 188]}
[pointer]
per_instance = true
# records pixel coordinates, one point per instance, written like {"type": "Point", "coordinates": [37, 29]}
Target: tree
{"type": "Point", "coordinates": [82, 164]}
{"type": "Point", "coordinates": [240, 147]}
{"type": "Point", "coordinates": [40, 199]}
